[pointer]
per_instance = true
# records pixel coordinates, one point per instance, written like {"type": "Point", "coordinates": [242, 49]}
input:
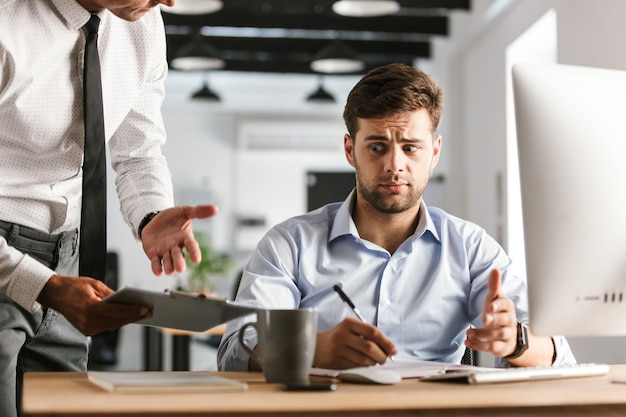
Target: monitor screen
{"type": "Point", "coordinates": [571, 133]}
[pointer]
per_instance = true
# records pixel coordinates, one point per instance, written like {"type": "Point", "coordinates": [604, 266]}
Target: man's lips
{"type": "Point", "coordinates": [393, 186]}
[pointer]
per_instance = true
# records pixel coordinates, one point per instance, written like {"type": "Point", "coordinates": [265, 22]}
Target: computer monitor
{"type": "Point", "coordinates": [571, 132]}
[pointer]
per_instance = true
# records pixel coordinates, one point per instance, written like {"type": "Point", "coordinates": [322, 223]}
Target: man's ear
{"type": "Point", "coordinates": [348, 148]}
{"type": "Point", "coordinates": [436, 152]}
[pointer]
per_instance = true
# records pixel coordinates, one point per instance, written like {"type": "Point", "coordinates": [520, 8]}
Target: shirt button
{"type": "Point", "coordinates": [387, 301]}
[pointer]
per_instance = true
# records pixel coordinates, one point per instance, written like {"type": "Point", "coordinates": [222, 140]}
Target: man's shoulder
{"type": "Point", "coordinates": [442, 220]}
{"type": "Point", "coordinates": [321, 216]}
{"type": "Point", "coordinates": [316, 223]}
{"type": "Point", "coordinates": [6, 3]}
{"type": "Point", "coordinates": [311, 228]}
{"type": "Point", "coordinates": [149, 23]}
{"type": "Point", "coordinates": [10, 8]}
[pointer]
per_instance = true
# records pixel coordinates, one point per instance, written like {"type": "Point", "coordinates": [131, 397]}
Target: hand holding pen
{"type": "Point", "coordinates": [355, 310]}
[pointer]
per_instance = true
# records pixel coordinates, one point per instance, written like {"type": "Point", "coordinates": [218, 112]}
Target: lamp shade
{"type": "Point", "coordinates": [365, 8]}
{"type": "Point", "coordinates": [337, 58]}
{"type": "Point", "coordinates": [192, 7]}
{"type": "Point", "coordinates": [320, 95]}
{"type": "Point", "coordinates": [197, 55]}
{"type": "Point", "coordinates": [206, 94]}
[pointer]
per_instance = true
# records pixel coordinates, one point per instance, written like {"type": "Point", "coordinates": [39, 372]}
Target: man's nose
{"type": "Point", "coordinates": [395, 160]}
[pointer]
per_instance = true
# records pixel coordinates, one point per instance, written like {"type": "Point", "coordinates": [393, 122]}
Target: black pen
{"type": "Point", "coordinates": [355, 310]}
{"type": "Point", "coordinates": [347, 300]}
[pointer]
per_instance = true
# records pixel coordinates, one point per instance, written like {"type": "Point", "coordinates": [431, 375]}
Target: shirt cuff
{"type": "Point", "coordinates": [231, 356]}
{"type": "Point", "coordinates": [563, 352]}
{"type": "Point", "coordinates": [27, 281]}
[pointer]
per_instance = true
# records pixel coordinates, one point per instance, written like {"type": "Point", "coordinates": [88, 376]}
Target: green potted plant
{"type": "Point", "coordinates": [200, 276]}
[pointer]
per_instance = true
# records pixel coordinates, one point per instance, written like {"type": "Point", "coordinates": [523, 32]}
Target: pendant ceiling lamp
{"type": "Point", "coordinates": [198, 55]}
{"type": "Point", "coordinates": [337, 58]}
{"type": "Point", "coordinates": [365, 8]}
{"type": "Point", "coordinates": [206, 94]}
{"type": "Point", "coordinates": [321, 95]}
{"type": "Point", "coordinates": [191, 7]}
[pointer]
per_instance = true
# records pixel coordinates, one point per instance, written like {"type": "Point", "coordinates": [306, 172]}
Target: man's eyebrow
{"type": "Point", "coordinates": [387, 139]}
{"type": "Point", "coordinates": [376, 137]}
{"type": "Point", "coordinates": [413, 140]}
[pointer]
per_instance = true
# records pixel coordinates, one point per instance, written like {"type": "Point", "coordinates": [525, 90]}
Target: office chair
{"type": "Point", "coordinates": [469, 357]}
{"type": "Point", "coordinates": [214, 340]}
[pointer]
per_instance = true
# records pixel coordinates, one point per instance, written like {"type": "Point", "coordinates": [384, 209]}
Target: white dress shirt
{"type": "Point", "coordinates": [424, 296]}
{"type": "Point", "coordinates": [42, 132]}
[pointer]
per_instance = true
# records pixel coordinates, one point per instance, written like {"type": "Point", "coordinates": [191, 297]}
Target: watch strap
{"type": "Point", "coordinates": [144, 222]}
{"type": "Point", "coordinates": [522, 342]}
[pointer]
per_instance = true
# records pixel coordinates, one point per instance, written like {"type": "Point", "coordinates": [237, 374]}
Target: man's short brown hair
{"type": "Point", "coordinates": [392, 89]}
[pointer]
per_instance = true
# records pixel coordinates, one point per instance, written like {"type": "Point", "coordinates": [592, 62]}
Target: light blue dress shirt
{"type": "Point", "coordinates": [423, 297]}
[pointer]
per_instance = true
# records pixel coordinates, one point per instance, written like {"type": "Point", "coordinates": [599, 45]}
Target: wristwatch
{"type": "Point", "coordinates": [144, 222]}
{"type": "Point", "coordinates": [522, 342]}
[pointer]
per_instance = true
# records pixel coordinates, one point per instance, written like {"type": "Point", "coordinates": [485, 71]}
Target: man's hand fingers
{"type": "Point", "coordinates": [384, 347]}
{"type": "Point", "coordinates": [494, 285]}
{"type": "Point", "coordinates": [178, 257]}
{"type": "Point", "coordinates": [193, 249]}
{"type": "Point", "coordinates": [79, 299]}
{"type": "Point", "coordinates": [352, 343]}
{"type": "Point", "coordinates": [155, 263]}
{"type": "Point", "coordinates": [204, 211]}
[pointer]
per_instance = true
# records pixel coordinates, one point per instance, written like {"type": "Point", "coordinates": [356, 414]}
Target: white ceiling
{"type": "Point", "coordinates": [258, 92]}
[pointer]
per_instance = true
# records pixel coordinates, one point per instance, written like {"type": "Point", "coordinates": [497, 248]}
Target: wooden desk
{"type": "Point", "coordinates": [71, 395]}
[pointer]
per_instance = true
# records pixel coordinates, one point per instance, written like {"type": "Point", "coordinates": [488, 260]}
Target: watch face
{"type": "Point", "coordinates": [522, 342]}
{"type": "Point", "coordinates": [522, 335]}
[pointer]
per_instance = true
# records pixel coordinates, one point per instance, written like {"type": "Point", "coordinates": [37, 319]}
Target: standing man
{"type": "Point", "coordinates": [50, 285]}
{"type": "Point", "coordinates": [427, 284]}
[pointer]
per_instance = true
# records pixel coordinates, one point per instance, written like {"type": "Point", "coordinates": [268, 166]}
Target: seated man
{"type": "Point", "coordinates": [427, 284]}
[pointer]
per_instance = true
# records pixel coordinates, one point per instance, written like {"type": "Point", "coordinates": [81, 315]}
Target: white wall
{"type": "Point", "coordinates": [589, 33]}
{"type": "Point", "coordinates": [470, 65]}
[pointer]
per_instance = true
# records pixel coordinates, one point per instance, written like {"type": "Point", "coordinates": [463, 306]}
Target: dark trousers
{"type": "Point", "coordinates": [44, 340]}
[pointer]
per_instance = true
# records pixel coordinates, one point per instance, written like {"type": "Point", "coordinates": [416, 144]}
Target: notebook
{"type": "Point", "coordinates": [441, 371]}
{"type": "Point", "coordinates": [498, 375]}
{"type": "Point", "coordinates": [163, 382]}
{"type": "Point", "coordinates": [403, 368]}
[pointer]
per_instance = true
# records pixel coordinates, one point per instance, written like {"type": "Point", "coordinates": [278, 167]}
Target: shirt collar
{"type": "Point", "coordinates": [344, 224]}
{"type": "Point", "coordinates": [75, 15]}
{"type": "Point", "coordinates": [425, 223]}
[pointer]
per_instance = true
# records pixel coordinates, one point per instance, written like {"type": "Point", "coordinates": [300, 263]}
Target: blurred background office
{"type": "Point", "coordinates": [254, 145]}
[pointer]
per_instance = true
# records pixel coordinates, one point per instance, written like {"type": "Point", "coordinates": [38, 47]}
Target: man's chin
{"type": "Point", "coordinates": [393, 207]}
{"type": "Point", "coordinates": [131, 15]}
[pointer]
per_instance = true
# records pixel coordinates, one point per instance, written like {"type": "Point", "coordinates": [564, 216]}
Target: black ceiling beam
{"type": "Point", "coordinates": [434, 4]}
{"type": "Point", "coordinates": [304, 46]}
{"type": "Point", "coordinates": [293, 67]}
{"type": "Point", "coordinates": [289, 55]}
{"type": "Point", "coordinates": [431, 25]}
{"type": "Point", "coordinates": [324, 7]}
{"type": "Point", "coordinates": [243, 32]}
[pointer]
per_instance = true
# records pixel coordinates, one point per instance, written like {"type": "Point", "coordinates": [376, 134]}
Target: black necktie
{"type": "Point", "coordinates": [93, 246]}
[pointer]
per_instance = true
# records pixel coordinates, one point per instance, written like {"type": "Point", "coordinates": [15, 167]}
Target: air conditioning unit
{"type": "Point", "coordinates": [320, 134]}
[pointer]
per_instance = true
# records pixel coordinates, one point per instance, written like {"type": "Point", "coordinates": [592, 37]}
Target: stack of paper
{"type": "Point", "coordinates": [162, 382]}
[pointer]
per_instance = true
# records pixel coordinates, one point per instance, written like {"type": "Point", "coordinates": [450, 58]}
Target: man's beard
{"type": "Point", "coordinates": [384, 203]}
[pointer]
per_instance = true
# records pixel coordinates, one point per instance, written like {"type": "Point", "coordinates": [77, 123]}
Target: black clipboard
{"type": "Point", "coordinates": [181, 310]}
